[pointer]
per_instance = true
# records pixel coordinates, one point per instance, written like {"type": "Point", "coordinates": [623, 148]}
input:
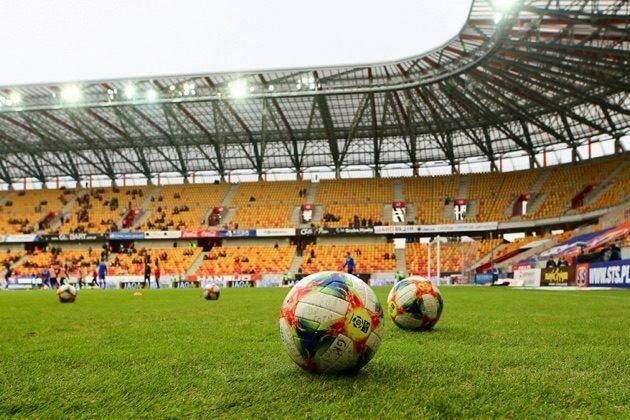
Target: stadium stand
{"type": "Point", "coordinates": [617, 193]}
{"type": "Point", "coordinates": [349, 191]}
{"type": "Point", "coordinates": [495, 193]}
{"type": "Point", "coordinates": [277, 192]}
{"type": "Point", "coordinates": [256, 260]}
{"type": "Point", "coordinates": [260, 215]}
{"type": "Point", "coordinates": [100, 209]}
{"type": "Point", "coordinates": [22, 211]}
{"type": "Point", "coordinates": [171, 261]}
{"type": "Point", "coordinates": [428, 195]}
{"type": "Point", "coordinates": [177, 207]}
{"type": "Point", "coordinates": [566, 181]}
{"type": "Point", "coordinates": [73, 259]}
{"type": "Point", "coordinates": [266, 204]}
{"type": "Point", "coordinates": [9, 257]}
{"type": "Point", "coordinates": [353, 215]}
{"type": "Point", "coordinates": [368, 257]}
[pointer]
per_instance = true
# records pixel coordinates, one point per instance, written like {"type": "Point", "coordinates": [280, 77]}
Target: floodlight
{"type": "Point", "coordinates": [130, 91]}
{"type": "Point", "coordinates": [151, 95]}
{"type": "Point", "coordinates": [71, 93]}
{"type": "Point", "coordinates": [239, 88]}
{"type": "Point", "coordinates": [15, 98]}
{"type": "Point", "coordinates": [270, 88]}
{"type": "Point", "coordinates": [497, 17]}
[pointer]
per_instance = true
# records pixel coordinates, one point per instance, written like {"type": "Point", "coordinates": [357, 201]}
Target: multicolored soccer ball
{"type": "Point", "coordinates": [415, 303]}
{"type": "Point", "coordinates": [67, 293]}
{"type": "Point", "coordinates": [331, 322]}
{"type": "Point", "coordinates": [211, 292]}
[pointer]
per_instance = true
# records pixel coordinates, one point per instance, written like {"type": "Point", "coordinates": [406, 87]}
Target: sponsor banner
{"type": "Point", "coordinates": [126, 236]}
{"type": "Point", "coordinates": [353, 231]}
{"type": "Point", "coordinates": [520, 266]}
{"type": "Point", "coordinates": [609, 274]}
{"type": "Point", "coordinates": [237, 281]}
{"type": "Point", "coordinates": [396, 229]}
{"type": "Point", "coordinates": [72, 237]}
{"type": "Point", "coordinates": [162, 234]}
{"type": "Point", "coordinates": [528, 277]}
{"type": "Point", "coordinates": [237, 233]}
{"type": "Point", "coordinates": [134, 282]}
{"type": "Point", "coordinates": [335, 231]}
{"type": "Point", "coordinates": [484, 278]}
{"type": "Point", "coordinates": [454, 227]}
{"type": "Point", "coordinates": [581, 275]}
{"type": "Point", "coordinates": [275, 232]}
{"type": "Point", "coordinates": [188, 234]}
{"type": "Point", "coordinates": [558, 276]}
{"type": "Point", "coordinates": [20, 238]}
{"type": "Point", "coordinates": [588, 241]}
{"type": "Point", "coordinates": [459, 227]}
{"type": "Point", "coordinates": [306, 231]}
{"type": "Point", "coordinates": [185, 284]}
{"type": "Point", "coordinates": [460, 201]}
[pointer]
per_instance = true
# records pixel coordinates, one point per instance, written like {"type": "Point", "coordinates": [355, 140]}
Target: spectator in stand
{"type": "Point", "coordinates": [562, 262]}
{"type": "Point", "coordinates": [550, 263]}
{"type": "Point", "coordinates": [615, 253]}
{"type": "Point", "coordinates": [349, 264]}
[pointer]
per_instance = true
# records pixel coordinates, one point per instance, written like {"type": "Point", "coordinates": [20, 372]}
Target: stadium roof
{"type": "Point", "coordinates": [520, 76]}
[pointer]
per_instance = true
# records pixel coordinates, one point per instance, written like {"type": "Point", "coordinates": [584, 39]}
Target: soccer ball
{"type": "Point", "coordinates": [211, 292]}
{"type": "Point", "coordinates": [415, 303]}
{"type": "Point", "coordinates": [67, 293]}
{"type": "Point", "coordinates": [331, 322]}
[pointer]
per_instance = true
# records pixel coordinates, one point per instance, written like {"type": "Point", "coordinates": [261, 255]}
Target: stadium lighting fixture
{"type": "Point", "coordinates": [130, 91]}
{"type": "Point", "coordinates": [71, 93]}
{"type": "Point", "coordinates": [15, 98]}
{"type": "Point", "coordinates": [270, 88]}
{"type": "Point", "coordinates": [151, 95]}
{"type": "Point", "coordinates": [497, 17]}
{"type": "Point", "coordinates": [252, 88]}
{"type": "Point", "coordinates": [171, 88]}
{"type": "Point", "coordinates": [239, 88]}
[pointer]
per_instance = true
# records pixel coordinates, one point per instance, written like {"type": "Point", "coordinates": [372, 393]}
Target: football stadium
{"type": "Point", "coordinates": [438, 234]}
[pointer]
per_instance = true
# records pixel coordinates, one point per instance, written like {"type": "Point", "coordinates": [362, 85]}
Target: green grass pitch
{"type": "Point", "coordinates": [496, 352]}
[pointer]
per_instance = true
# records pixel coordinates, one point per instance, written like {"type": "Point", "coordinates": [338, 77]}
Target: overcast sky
{"type": "Point", "coordinates": [78, 40]}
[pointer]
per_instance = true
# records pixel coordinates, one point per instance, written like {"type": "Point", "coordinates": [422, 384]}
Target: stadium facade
{"type": "Point", "coordinates": [520, 78]}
